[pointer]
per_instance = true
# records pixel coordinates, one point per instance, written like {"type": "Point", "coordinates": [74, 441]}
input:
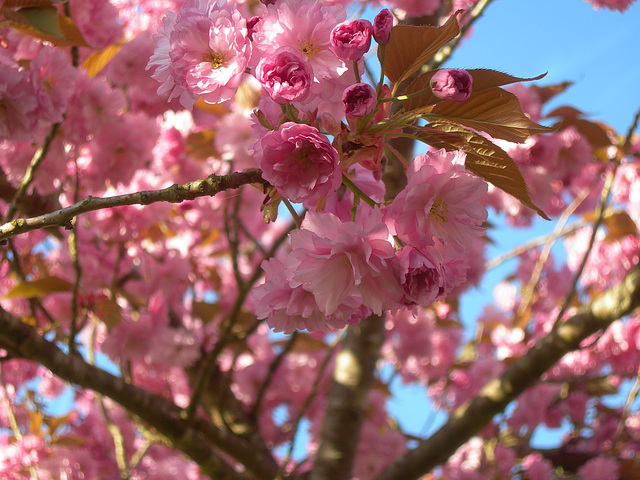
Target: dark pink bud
{"type": "Point", "coordinates": [286, 75]}
{"type": "Point", "coordinates": [351, 39]}
{"type": "Point", "coordinates": [358, 100]}
{"type": "Point", "coordinates": [251, 25]}
{"type": "Point", "coordinates": [382, 25]}
{"type": "Point", "coordinates": [451, 84]}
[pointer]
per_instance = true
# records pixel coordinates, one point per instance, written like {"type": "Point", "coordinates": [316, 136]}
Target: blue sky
{"type": "Point", "coordinates": [597, 50]}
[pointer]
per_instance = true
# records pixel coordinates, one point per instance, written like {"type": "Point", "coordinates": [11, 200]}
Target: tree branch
{"type": "Point", "coordinates": [492, 399]}
{"type": "Point", "coordinates": [210, 186]}
{"type": "Point", "coordinates": [201, 441]}
{"type": "Point", "coordinates": [352, 379]}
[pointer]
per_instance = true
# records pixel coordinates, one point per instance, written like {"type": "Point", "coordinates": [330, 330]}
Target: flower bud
{"type": "Point", "coordinates": [351, 39]}
{"type": "Point", "coordinates": [358, 100]}
{"type": "Point", "coordinates": [251, 26]}
{"type": "Point", "coordinates": [286, 75]}
{"type": "Point", "coordinates": [382, 25]}
{"type": "Point", "coordinates": [451, 84]}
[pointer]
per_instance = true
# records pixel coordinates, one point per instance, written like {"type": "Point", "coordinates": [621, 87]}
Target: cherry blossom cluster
{"type": "Point", "coordinates": [212, 86]}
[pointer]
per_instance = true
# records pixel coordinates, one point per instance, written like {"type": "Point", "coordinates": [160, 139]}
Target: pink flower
{"type": "Point", "coordinates": [620, 5]}
{"type": "Point", "coordinates": [350, 40]}
{"type": "Point", "coordinates": [299, 162]}
{"type": "Point", "coordinates": [359, 100]}
{"type": "Point", "coordinates": [53, 78]}
{"type": "Point", "coordinates": [202, 51]}
{"type": "Point", "coordinates": [537, 467]}
{"type": "Point", "coordinates": [286, 75]}
{"type": "Point", "coordinates": [600, 468]}
{"type": "Point", "coordinates": [440, 204]}
{"type": "Point", "coordinates": [18, 101]}
{"type": "Point", "coordinates": [97, 20]}
{"type": "Point", "coordinates": [289, 308]}
{"type": "Point", "coordinates": [382, 25]}
{"type": "Point", "coordinates": [304, 25]}
{"type": "Point", "coordinates": [415, 8]}
{"type": "Point", "coordinates": [421, 275]}
{"type": "Point", "coordinates": [451, 84]}
{"type": "Point", "coordinates": [335, 260]}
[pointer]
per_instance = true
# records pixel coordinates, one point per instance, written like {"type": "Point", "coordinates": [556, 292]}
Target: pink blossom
{"type": "Point", "coordinates": [451, 84]}
{"type": "Point", "coordinates": [350, 40]}
{"type": "Point", "coordinates": [537, 467]}
{"type": "Point", "coordinates": [50, 386]}
{"type": "Point", "coordinates": [335, 260]}
{"type": "Point", "coordinates": [287, 308]}
{"type": "Point", "coordinates": [377, 435]}
{"type": "Point", "coordinates": [202, 51]}
{"type": "Point", "coordinates": [382, 25]}
{"type": "Point", "coordinates": [299, 162]}
{"type": "Point", "coordinates": [304, 25]}
{"type": "Point", "coordinates": [53, 79]}
{"type": "Point", "coordinates": [439, 204]}
{"type": "Point", "coordinates": [421, 275]}
{"type": "Point", "coordinates": [286, 75]}
{"type": "Point", "coordinates": [418, 346]}
{"type": "Point", "coordinates": [620, 5]}
{"type": "Point", "coordinates": [359, 100]}
{"type": "Point", "coordinates": [19, 103]}
{"type": "Point", "coordinates": [415, 8]}
{"type": "Point", "coordinates": [599, 468]}
{"type": "Point", "coordinates": [97, 20]}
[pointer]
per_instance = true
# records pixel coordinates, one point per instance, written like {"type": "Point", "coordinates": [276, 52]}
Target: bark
{"type": "Point", "coordinates": [347, 400]}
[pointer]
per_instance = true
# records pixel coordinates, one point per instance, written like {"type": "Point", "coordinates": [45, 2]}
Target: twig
{"type": "Point", "coordinates": [29, 175]}
{"type": "Point", "coordinates": [536, 242]}
{"type": "Point", "coordinates": [521, 319]}
{"type": "Point", "coordinates": [445, 52]}
{"type": "Point", "coordinates": [210, 186]}
{"type": "Point", "coordinates": [273, 367]}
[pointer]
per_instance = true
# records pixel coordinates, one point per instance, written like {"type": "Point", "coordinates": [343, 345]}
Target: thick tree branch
{"type": "Point", "coordinates": [352, 379]}
{"type": "Point", "coordinates": [471, 417]}
{"type": "Point", "coordinates": [210, 186]}
{"type": "Point", "coordinates": [200, 440]}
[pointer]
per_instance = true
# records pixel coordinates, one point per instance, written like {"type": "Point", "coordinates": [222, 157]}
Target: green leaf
{"type": "Point", "coordinates": [484, 158]}
{"type": "Point", "coordinates": [482, 79]}
{"type": "Point", "coordinates": [410, 47]}
{"type": "Point", "coordinates": [494, 111]}
{"type": "Point", "coordinates": [38, 288]}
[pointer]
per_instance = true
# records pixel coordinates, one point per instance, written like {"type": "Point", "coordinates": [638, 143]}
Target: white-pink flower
{"type": "Point", "coordinates": [287, 308]}
{"type": "Point", "coordinates": [336, 260]}
{"type": "Point", "coordinates": [440, 201]}
{"type": "Point", "coordinates": [304, 25]}
{"type": "Point", "coordinates": [202, 51]}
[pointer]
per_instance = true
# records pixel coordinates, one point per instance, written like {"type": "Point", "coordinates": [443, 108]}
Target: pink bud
{"type": "Point", "coordinates": [358, 100]}
{"type": "Point", "coordinates": [351, 39]}
{"type": "Point", "coordinates": [451, 84]}
{"type": "Point", "coordinates": [251, 26]}
{"type": "Point", "coordinates": [286, 75]}
{"type": "Point", "coordinates": [382, 25]}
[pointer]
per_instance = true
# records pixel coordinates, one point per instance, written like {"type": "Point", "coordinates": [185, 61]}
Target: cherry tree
{"type": "Point", "coordinates": [229, 226]}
